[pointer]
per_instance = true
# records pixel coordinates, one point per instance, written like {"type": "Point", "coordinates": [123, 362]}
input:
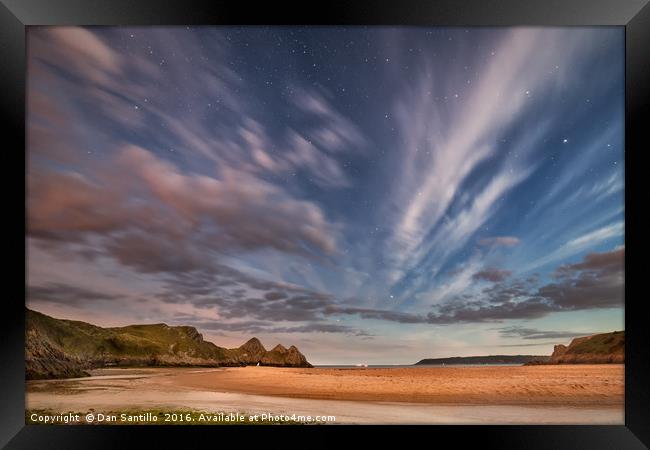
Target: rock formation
{"type": "Point", "coordinates": [606, 348]}
{"type": "Point", "coordinates": [57, 348]}
{"type": "Point", "coordinates": [252, 351]}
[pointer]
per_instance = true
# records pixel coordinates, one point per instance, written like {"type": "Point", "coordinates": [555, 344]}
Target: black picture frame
{"type": "Point", "coordinates": [634, 15]}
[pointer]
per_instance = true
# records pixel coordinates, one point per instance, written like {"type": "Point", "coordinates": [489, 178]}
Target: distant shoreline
{"type": "Point", "coordinates": [488, 359]}
{"type": "Point", "coordinates": [411, 366]}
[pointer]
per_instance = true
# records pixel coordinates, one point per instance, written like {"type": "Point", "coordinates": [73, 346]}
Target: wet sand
{"type": "Point", "coordinates": [577, 394]}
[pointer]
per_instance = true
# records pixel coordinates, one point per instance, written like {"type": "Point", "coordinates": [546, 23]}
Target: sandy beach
{"type": "Point", "coordinates": [519, 385]}
{"type": "Point", "coordinates": [522, 394]}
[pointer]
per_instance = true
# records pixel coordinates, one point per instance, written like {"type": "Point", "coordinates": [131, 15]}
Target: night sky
{"type": "Point", "coordinates": [369, 194]}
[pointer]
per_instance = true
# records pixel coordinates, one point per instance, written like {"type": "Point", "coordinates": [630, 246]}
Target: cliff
{"type": "Point", "coordinates": [606, 348]}
{"type": "Point", "coordinates": [57, 348]}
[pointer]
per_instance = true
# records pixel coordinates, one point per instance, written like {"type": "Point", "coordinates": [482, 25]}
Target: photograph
{"type": "Point", "coordinates": [325, 225]}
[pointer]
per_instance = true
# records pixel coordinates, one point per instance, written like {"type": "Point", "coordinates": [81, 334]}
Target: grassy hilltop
{"type": "Point", "coordinates": [58, 348]}
{"type": "Point", "coordinates": [596, 349]}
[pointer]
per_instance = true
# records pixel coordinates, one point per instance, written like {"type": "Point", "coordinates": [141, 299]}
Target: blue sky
{"type": "Point", "coordinates": [370, 194]}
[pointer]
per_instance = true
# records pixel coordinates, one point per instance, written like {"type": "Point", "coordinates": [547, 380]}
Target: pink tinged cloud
{"type": "Point", "coordinates": [504, 241]}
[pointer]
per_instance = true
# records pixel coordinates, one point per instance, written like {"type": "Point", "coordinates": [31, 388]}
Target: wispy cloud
{"type": "Point", "coordinates": [65, 294]}
{"type": "Point", "coordinates": [577, 245]}
{"type": "Point", "coordinates": [334, 132]}
{"type": "Point", "coordinates": [506, 241]}
{"type": "Point", "coordinates": [534, 333]}
{"type": "Point", "coordinates": [446, 135]}
{"type": "Point", "coordinates": [492, 274]}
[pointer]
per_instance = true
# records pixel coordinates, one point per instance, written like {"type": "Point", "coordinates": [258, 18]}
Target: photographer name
{"type": "Point", "coordinates": [150, 417]}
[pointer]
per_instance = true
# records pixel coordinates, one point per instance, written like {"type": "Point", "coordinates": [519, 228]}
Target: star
{"type": "Point", "coordinates": [565, 141]}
